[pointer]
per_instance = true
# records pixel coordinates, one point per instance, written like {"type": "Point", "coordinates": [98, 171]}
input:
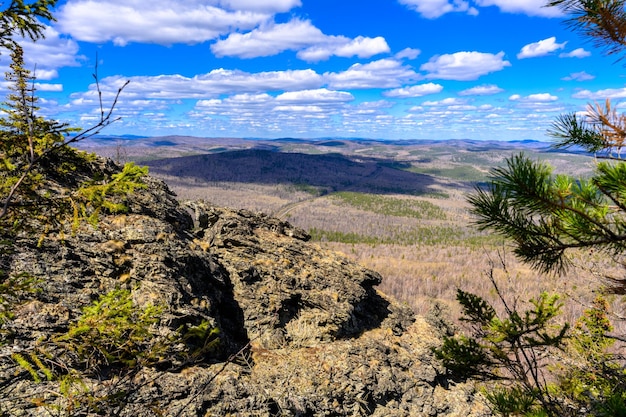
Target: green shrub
{"type": "Point", "coordinates": [511, 349]}
{"type": "Point", "coordinates": [39, 170]}
{"type": "Point", "coordinates": [111, 340]}
{"type": "Point", "coordinates": [534, 367]}
{"type": "Point", "coordinates": [115, 332]}
{"type": "Point", "coordinates": [201, 340]}
{"type": "Point", "coordinates": [595, 377]}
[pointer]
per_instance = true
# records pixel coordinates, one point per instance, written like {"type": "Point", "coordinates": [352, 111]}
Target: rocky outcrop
{"type": "Point", "coordinates": [303, 331]}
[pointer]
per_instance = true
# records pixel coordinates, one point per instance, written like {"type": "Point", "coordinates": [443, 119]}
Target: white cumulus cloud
{"type": "Point", "coordinates": [164, 22]}
{"type": "Point", "coordinates": [344, 47]}
{"type": "Point", "coordinates": [541, 48]}
{"type": "Point", "coordinates": [299, 109]}
{"type": "Point", "coordinates": [534, 98]}
{"type": "Point", "coordinates": [362, 47]}
{"type": "Point", "coordinates": [433, 9]}
{"type": "Point", "coordinates": [290, 107]}
{"type": "Point", "coordinates": [321, 95]}
{"type": "Point", "coordinates": [269, 40]}
{"type": "Point", "coordinates": [451, 101]}
{"type": "Point", "coordinates": [47, 55]}
{"type": "Point", "coordinates": [408, 53]}
{"type": "Point", "coordinates": [481, 90]}
{"type": "Point", "coordinates": [212, 84]}
{"type": "Point", "coordinates": [464, 66]}
{"type": "Point", "coordinates": [384, 73]}
{"type": "Point", "coordinates": [541, 104]}
{"type": "Point", "coordinates": [611, 93]}
{"type": "Point", "coordinates": [43, 74]}
{"type": "Point", "coordinates": [527, 7]}
{"type": "Point", "coordinates": [576, 53]}
{"type": "Point", "coordinates": [267, 6]}
{"type": "Point", "coordinates": [236, 104]}
{"type": "Point", "coordinates": [414, 91]}
{"type": "Point", "coordinates": [297, 35]}
{"type": "Point", "coordinates": [48, 87]}
{"type": "Point", "coordinates": [578, 76]}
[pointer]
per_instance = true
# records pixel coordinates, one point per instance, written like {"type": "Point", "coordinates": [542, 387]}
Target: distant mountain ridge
{"type": "Point", "coordinates": [186, 138]}
{"type": "Point", "coordinates": [356, 164]}
{"type": "Point", "coordinates": [136, 145]}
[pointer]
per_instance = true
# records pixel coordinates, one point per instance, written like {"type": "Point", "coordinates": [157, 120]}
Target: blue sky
{"type": "Point", "coordinates": [388, 69]}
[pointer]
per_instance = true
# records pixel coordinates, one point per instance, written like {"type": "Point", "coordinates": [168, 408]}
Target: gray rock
{"type": "Point", "coordinates": [303, 331]}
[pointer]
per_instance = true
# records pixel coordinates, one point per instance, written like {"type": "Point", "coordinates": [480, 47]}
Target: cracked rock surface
{"type": "Point", "coordinates": [302, 331]}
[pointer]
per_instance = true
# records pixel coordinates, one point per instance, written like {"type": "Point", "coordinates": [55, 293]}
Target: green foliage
{"type": "Point", "coordinates": [596, 378]}
{"type": "Point", "coordinates": [14, 288]}
{"type": "Point", "coordinates": [572, 130]}
{"type": "Point", "coordinates": [309, 189]}
{"type": "Point", "coordinates": [76, 394]}
{"type": "Point", "coordinates": [390, 206]}
{"type": "Point", "coordinates": [25, 140]}
{"type": "Point", "coordinates": [547, 215]}
{"type": "Point", "coordinates": [45, 185]}
{"type": "Point", "coordinates": [513, 401]}
{"type": "Point", "coordinates": [33, 365]}
{"type": "Point", "coordinates": [464, 357]}
{"type": "Point", "coordinates": [602, 21]}
{"type": "Point", "coordinates": [475, 309]}
{"type": "Point", "coordinates": [403, 235]}
{"type": "Point", "coordinates": [97, 195]}
{"type": "Point", "coordinates": [115, 332]}
{"type": "Point", "coordinates": [201, 340]}
{"type": "Point", "coordinates": [460, 173]}
{"type": "Point", "coordinates": [510, 348]}
{"type": "Point", "coordinates": [111, 339]}
{"type": "Point", "coordinates": [35, 158]}
{"type": "Point", "coordinates": [334, 236]}
{"type": "Point", "coordinates": [21, 18]}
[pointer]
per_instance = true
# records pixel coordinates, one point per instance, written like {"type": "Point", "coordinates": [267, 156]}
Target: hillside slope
{"type": "Point", "coordinates": [302, 331]}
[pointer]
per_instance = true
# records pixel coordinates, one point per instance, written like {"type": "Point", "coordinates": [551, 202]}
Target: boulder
{"type": "Point", "coordinates": [302, 331]}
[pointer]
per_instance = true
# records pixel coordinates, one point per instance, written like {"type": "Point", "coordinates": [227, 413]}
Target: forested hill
{"type": "Point", "coordinates": [331, 164]}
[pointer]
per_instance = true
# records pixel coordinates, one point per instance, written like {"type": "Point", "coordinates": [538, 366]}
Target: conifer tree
{"type": "Point", "coordinates": [35, 159]}
{"type": "Point", "coordinates": [26, 139]}
{"type": "Point", "coordinates": [23, 19]}
{"type": "Point", "coordinates": [546, 216]}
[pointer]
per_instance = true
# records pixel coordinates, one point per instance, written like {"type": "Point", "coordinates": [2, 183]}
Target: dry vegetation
{"type": "Point", "coordinates": [398, 209]}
